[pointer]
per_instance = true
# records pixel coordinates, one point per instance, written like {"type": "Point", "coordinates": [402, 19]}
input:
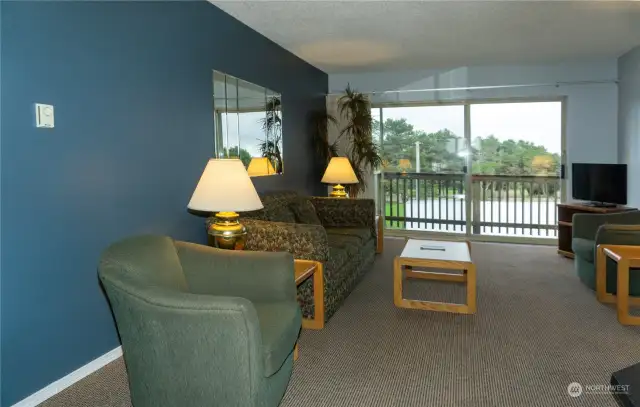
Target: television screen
{"type": "Point", "coordinates": [604, 183]}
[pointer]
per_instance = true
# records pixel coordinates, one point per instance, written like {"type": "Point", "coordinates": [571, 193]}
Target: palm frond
{"type": "Point", "coordinates": [271, 150]}
{"type": "Point", "coordinates": [353, 104]}
{"type": "Point", "coordinates": [272, 127]}
{"type": "Point", "coordinates": [364, 154]}
{"type": "Point", "coordinates": [354, 109]}
{"type": "Point", "coordinates": [355, 189]}
{"type": "Point", "coordinates": [273, 103]}
{"type": "Point", "coordinates": [272, 122]}
{"type": "Point", "coordinates": [321, 122]}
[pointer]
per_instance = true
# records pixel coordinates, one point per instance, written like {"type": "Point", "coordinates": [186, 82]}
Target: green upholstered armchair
{"type": "Point", "coordinates": [202, 326]}
{"type": "Point", "coordinates": [591, 230]}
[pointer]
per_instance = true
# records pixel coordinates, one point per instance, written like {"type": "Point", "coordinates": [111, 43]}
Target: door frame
{"type": "Point", "coordinates": [466, 103]}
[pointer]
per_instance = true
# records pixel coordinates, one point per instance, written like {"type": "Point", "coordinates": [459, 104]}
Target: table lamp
{"type": "Point", "coordinates": [260, 166]}
{"type": "Point", "coordinates": [339, 171]}
{"type": "Point", "coordinates": [404, 165]}
{"type": "Point", "coordinates": [225, 187]}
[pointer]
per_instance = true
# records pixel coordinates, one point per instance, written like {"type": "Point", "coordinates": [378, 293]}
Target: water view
{"type": "Point", "coordinates": [532, 219]}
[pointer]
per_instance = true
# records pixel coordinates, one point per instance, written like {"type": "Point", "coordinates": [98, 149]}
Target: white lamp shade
{"type": "Point", "coordinates": [225, 186]}
{"type": "Point", "coordinates": [339, 171]}
{"type": "Point", "coordinates": [260, 166]}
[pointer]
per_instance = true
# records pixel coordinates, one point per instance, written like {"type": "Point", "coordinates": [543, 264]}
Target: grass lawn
{"type": "Point", "coordinates": [398, 210]}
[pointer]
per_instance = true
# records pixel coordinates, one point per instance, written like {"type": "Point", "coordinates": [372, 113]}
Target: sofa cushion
{"type": "Point", "coordinates": [260, 214]}
{"type": "Point", "coordinates": [282, 213]}
{"type": "Point", "coordinates": [279, 326]}
{"type": "Point", "coordinates": [276, 206]}
{"type": "Point", "coordinates": [353, 251]}
{"type": "Point", "coordinates": [338, 257]}
{"type": "Point", "coordinates": [304, 211]}
{"type": "Point", "coordinates": [353, 234]}
{"type": "Point", "coordinates": [584, 248]}
{"type": "Point", "coordinates": [341, 241]}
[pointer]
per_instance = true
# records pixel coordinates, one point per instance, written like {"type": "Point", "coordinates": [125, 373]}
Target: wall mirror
{"type": "Point", "coordinates": [248, 124]}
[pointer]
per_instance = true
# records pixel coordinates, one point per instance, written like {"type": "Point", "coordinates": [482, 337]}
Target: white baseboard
{"type": "Point", "coordinates": [73, 377]}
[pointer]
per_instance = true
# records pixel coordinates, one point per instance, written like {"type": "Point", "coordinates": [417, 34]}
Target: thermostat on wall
{"type": "Point", "coordinates": [44, 115]}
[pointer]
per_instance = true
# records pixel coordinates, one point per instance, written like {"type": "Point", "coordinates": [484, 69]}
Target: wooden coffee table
{"type": "Point", "coordinates": [432, 254]}
{"type": "Point", "coordinates": [627, 257]}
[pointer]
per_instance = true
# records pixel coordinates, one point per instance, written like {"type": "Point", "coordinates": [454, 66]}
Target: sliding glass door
{"type": "Point", "coordinates": [423, 151]}
{"type": "Point", "coordinates": [471, 168]}
{"type": "Point", "coordinates": [515, 172]}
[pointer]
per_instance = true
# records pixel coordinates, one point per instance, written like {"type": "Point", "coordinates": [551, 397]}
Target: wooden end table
{"type": "Point", "coordinates": [626, 257]}
{"type": "Point", "coordinates": [452, 256]}
{"type": "Point", "coordinates": [303, 270]}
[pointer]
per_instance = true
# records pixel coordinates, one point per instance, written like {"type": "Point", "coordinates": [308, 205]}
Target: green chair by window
{"type": "Point", "coordinates": [202, 326]}
{"type": "Point", "coordinates": [591, 230]}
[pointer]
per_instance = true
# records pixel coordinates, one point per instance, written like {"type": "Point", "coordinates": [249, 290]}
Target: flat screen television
{"type": "Point", "coordinates": [601, 184]}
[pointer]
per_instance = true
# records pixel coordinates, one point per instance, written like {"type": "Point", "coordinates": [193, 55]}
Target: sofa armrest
{"type": "Point", "coordinates": [257, 276]}
{"type": "Point", "coordinates": [340, 212]}
{"type": "Point", "coordinates": [618, 235]}
{"type": "Point", "coordinates": [307, 242]}
{"type": "Point", "coordinates": [586, 225]}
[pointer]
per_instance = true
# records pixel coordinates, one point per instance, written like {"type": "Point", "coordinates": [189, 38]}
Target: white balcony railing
{"type": "Point", "coordinates": [500, 204]}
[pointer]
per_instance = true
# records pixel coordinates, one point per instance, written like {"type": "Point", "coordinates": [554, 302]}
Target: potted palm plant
{"type": "Point", "coordinates": [270, 147]}
{"type": "Point", "coordinates": [354, 109]}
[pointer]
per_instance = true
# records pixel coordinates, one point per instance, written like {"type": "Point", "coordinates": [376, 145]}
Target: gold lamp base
{"type": "Point", "coordinates": [338, 192]}
{"type": "Point", "coordinates": [227, 232]}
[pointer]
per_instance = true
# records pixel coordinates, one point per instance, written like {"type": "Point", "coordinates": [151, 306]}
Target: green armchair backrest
{"type": "Point", "coordinates": [189, 319]}
{"type": "Point", "coordinates": [148, 260]}
{"type": "Point", "coordinates": [591, 230]}
{"type": "Point", "coordinates": [587, 225]}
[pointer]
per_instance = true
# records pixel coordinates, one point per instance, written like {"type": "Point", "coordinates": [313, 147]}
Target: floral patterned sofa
{"type": "Point", "coordinates": [343, 238]}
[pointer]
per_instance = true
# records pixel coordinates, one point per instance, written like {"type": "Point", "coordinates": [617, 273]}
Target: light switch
{"type": "Point", "coordinates": [44, 115]}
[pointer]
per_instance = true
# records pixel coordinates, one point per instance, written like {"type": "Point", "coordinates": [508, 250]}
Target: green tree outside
{"type": "Point", "coordinates": [445, 152]}
{"type": "Point", "coordinates": [232, 152]}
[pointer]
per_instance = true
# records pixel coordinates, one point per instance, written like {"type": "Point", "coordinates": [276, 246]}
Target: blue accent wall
{"type": "Point", "coordinates": [131, 86]}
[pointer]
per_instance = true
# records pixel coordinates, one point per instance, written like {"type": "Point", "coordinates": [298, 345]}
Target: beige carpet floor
{"type": "Point", "coordinates": [537, 330]}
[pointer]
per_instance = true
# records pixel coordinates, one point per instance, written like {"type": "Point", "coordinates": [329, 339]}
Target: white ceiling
{"type": "Point", "coordinates": [346, 36]}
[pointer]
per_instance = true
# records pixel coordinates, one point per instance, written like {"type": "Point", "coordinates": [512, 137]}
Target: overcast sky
{"type": "Point", "coordinates": [251, 132]}
{"type": "Point", "coordinates": [538, 122]}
